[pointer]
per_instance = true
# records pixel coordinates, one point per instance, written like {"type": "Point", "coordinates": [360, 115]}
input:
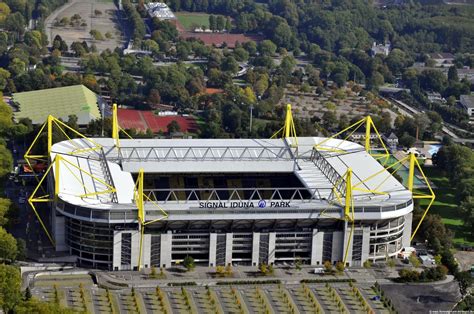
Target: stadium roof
{"type": "Point", "coordinates": [236, 156]}
{"type": "Point", "coordinates": [61, 101]}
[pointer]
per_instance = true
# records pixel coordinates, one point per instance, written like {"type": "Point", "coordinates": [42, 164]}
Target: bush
{"type": "Point", "coordinates": [248, 282]}
{"type": "Point", "coordinates": [180, 284]}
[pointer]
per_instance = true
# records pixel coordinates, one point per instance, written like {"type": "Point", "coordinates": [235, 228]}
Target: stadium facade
{"type": "Point", "coordinates": [224, 201]}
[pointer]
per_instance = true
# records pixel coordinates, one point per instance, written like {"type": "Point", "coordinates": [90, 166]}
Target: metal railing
{"type": "Point", "coordinates": [331, 174]}
{"type": "Point", "coordinates": [234, 194]}
{"type": "Point", "coordinates": [107, 174]}
{"type": "Point", "coordinates": [214, 153]}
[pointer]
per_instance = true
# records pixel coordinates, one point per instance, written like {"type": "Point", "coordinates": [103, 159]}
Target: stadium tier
{"type": "Point", "coordinates": [225, 201]}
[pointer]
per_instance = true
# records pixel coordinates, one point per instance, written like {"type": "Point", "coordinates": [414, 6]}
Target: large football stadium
{"type": "Point", "coordinates": [123, 204]}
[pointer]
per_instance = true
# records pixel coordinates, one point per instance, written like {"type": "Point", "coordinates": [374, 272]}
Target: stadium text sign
{"type": "Point", "coordinates": [244, 204]}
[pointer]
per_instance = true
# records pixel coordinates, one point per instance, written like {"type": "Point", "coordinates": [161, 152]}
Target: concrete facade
{"type": "Point", "coordinates": [255, 248]}
{"type": "Point", "coordinates": [317, 248]}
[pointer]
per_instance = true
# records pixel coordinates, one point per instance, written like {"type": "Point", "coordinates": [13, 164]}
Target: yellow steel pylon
{"type": "Point", "coordinates": [369, 126]}
{"type": "Point", "coordinates": [140, 198]}
{"type": "Point", "coordinates": [116, 127]}
{"type": "Point", "coordinates": [413, 165]}
{"type": "Point", "coordinates": [288, 131]}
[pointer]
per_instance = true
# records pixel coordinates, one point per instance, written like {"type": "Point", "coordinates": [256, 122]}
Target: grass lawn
{"type": "Point", "coordinates": [192, 20]}
{"type": "Point", "coordinates": [446, 205]}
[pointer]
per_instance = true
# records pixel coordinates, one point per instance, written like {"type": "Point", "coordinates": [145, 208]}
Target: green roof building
{"type": "Point", "coordinates": [60, 102]}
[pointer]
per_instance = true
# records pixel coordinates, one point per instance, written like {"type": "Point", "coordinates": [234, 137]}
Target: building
{"type": "Point", "coordinates": [467, 103]}
{"type": "Point", "coordinates": [159, 10]}
{"type": "Point", "coordinates": [391, 141]}
{"type": "Point", "coordinates": [75, 100]}
{"type": "Point", "coordinates": [442, 59]}
{"type": "Point", "coordinates": [227, 201]}
{"type": "Point", "coordinates": [360, 137]}
{"type": "Point", "coordinates": [380, 49]}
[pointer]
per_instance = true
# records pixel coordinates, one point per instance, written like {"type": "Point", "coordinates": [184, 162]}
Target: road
{"type": "Point", "coordinates": [410, 111]}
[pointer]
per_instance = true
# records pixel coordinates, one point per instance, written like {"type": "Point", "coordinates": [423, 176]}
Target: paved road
{"type": "Point", "coordinates": [410, 111]}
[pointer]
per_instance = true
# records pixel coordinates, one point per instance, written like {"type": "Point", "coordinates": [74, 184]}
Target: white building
{"type": "Point", "coordinates": [159, 10]}
{"type": "Point", "coordinates": [467, 103]}
{"type": "Point", "coordinates": [245, 201]}
{"type": "Point", "coordinates": [442, 59]}
{"type": "Point", "coordinates": [383, 49]}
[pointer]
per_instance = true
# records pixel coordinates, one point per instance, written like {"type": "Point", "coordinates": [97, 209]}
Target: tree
{"type": "Point", "coordinates": [329, 120]}
{"type": "Point", "coordinates": [327, 266]}
{"type": "Point", "coordinates": [78, 49]}
{"type": "Point", "coordinates": [414, 260]}
{"type": "Point", "coordinates": [96, 35]}
{"type": "Point", "coordinates": [8, 247]}
{"type": "Point", "coordinates": [97, 12]}
{"type": "Point", "coordinates": [188, 263]}
{"type": "Point", "coordinates": [153, 273]}
{"type": "Point", "coordinates": [6, 160]}
{"type": "Point", "coordinates": [27, 295]}
{"type": "Point", "coordinates": [266, 48]}
{"type": "Point", "coordinates": [212, 22]}
{"type": "Point", "coordinates": [464, 280]}
{"type": "Point", "coordinates": [154, 97]}
{"type": "Point", "coordinates": [228, 25]}
{"type": "Point", "coordinates": [298, 264]}
{"type": "Point", "coordinates": [173, 127]}
{"type": "Point", "coordinates": [5, 206]}
{"type": "Point", "coordinates": [220, 22]}
{"type": "Point", "coordinates": [4, 12]}
{"type": "Point", "coordinates": [4, 76]}
{"type": "Point", "coordinates": [230, 64]}
{"type": "Point", "coordinates": [453, 74]}
{"type": "Point", "coordinates": [10, 283]}
{"type": "Point", "coordinates": [263, 269]}
{"type": "Point", "coordinates": [407, 140]}
{"type": "Point", "coordinates": [340, 267]}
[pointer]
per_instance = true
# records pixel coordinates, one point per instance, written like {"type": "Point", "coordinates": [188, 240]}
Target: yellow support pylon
{"type": "Point", "coordinates": [140, 198]}
{"type": "Point", "coordinates": [369, 127]}
{"type": "Point", "coordinates": [414, 164]}
{"type": "Point", "coordinates": [288, 130]}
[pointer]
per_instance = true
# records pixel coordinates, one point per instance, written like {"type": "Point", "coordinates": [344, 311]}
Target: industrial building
{"type": "Point", "coordinates": [126, 203]}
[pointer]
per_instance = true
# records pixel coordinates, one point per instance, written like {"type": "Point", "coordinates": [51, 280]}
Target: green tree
{"type": "Point", "coordinates": [96, 35]}
{"type": "Point", "coordinates": [267, 48]}
{"type": "Point", "coordinates": [4, 12]}
{"type": "Point", "coordinates": [4, 76]}
{"type": "Point", "coordinates": [212, 22]}
{"type": "Point", "coordinates": [228, 24]}
{"type": "Point", "coordinates": [10, 283]}
{"type": "Point", "coordinates": [453, 74]}
{"type": "Point", "coordinates": [220, 23]}
{"type": "Point", "coordinates": [414, 260]}
{"type": "Point", "coordinates": [173, 127]}
{"type": "Point", "coordinates": [8, 246]}
{"type": "Point", "coordinates": [188, 263]}
{"type": "Point", "coordinates": [6, 161]}
{"type": "Point", "coordinates": [327, 266]}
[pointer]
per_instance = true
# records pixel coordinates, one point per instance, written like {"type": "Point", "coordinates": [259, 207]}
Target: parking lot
{"type": "Point", "coordinates": [79, 293]}
{"type": "Point", "coordinates": [94, 14]}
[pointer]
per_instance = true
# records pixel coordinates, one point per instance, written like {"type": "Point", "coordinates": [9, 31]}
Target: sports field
{"type": "Point", "coordinates": [190, 21]}
{"type": "Point", "coordinates": [447, 206]}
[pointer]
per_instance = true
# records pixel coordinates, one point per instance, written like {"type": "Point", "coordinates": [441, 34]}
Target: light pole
{"type": "Point", "coordinates": [251, 115]}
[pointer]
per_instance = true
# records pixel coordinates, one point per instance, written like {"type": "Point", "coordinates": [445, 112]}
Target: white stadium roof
{"type": "Point", "coordinates": [236, 156]}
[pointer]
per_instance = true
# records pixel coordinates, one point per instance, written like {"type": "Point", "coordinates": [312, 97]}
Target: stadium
{"type": "Point", "coordinates": [122, 204]}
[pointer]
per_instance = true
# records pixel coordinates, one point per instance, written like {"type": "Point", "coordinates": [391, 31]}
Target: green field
{"type": "Point", "coordinates": [446, 205]}
{"type": "Point", "coordinates": [193, 20]}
